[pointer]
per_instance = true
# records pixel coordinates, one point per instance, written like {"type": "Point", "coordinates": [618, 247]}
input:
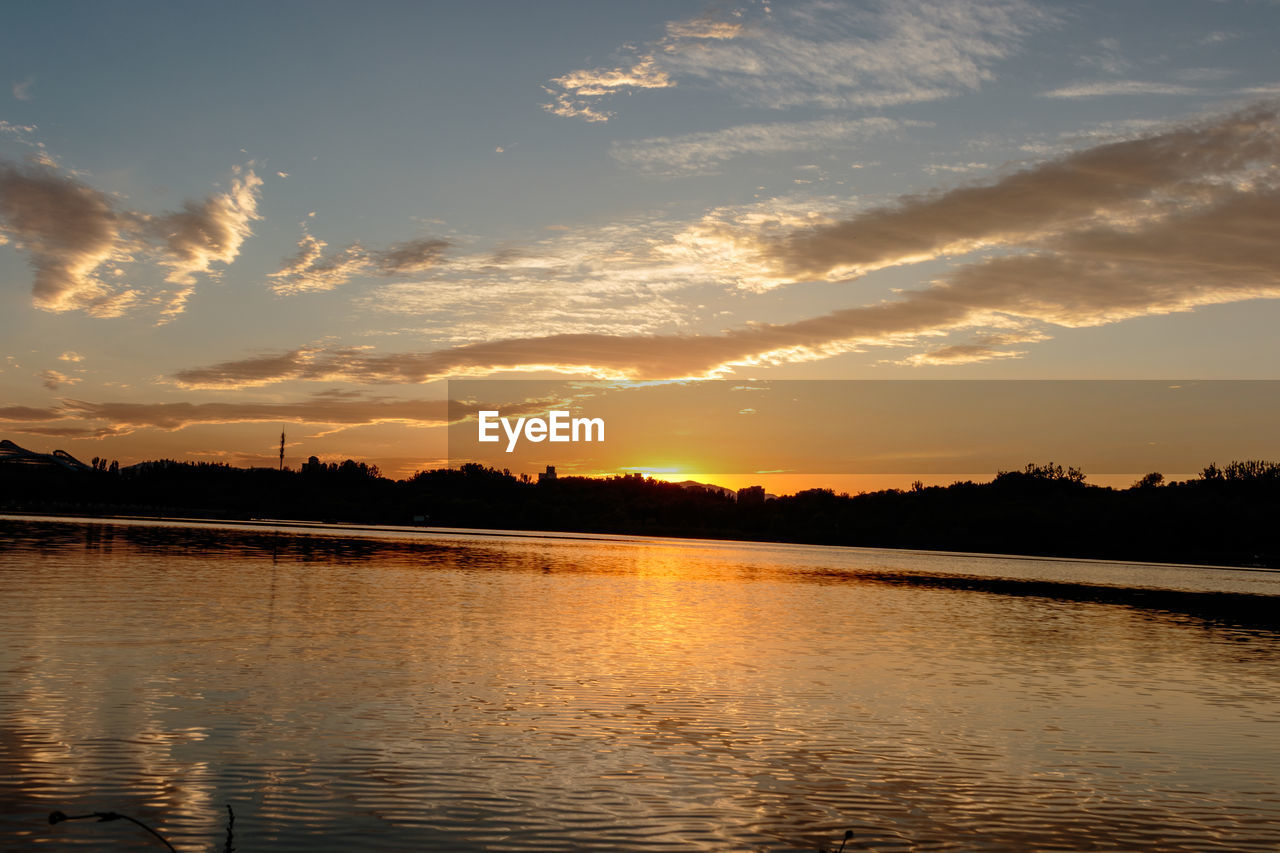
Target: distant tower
{"type": "Point", "coordinates": [281, 448]}
{"type": "Point", "coordinates": [549, 474]}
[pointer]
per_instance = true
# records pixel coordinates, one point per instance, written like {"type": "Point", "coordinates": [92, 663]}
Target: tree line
{"type": "Point", "coordinates": [1224, 515]}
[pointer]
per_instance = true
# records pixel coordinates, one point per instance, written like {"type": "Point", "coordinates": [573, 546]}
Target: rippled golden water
{"type": "Point", "coordinates": [363, 690]}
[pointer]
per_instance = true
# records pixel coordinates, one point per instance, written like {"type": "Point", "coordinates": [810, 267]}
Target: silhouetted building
{"type": "Point", "coordinates": [12, 454]}
{"type": "Point", "coordinates": [549, 474]}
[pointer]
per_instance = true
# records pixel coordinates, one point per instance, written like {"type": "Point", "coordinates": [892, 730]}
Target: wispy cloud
{"type": "Point", "coordinates": [312, 269]}
{"type": "Point", "coordinates": [343, 410]}
{"type": "Point", "coordinates": [55, 379]}
{"type": "Point", "coordinates": [638, 275]}
{"type": "Point", "coordinates": [1219, 37]}
{"type": "Point", "coordinates": [262, 369]}
{"type": "Point", "coordinates": [22, 89]}
{"type": "Point", "coordinates": [576, 94]}
{"type": "Point", "coordinates": [1203, 74]}
{"type": "Point", "coordinates": [334, 409]}
{"type": "Point", "coordinates": [1266, 90]}
{"type": "Point", "coordinates": [982, 348]}
{"type": "Point", "coordinates": [955, 168]}
{"type": "Point", "coordinates": [693, 153]}
{"type": "Point", "coordinates": [818, 54]}
{"type": "Point", "coordinates": [206, 232]}
{"type": "Point", "coordinates": [78, 239]}
{"type": "Point", "coordinates": [1120, 184]}
{"type": "Point", "coordinates": [1106, 56]}
{"type": "Point", "coordinates": [21, 414]}
{"type": "Point", "coordinates": [704, 28]}
{"type": "Point", "coordinates": [17, 130]}
{"type": "Point", "coordinates": [1112, 88]}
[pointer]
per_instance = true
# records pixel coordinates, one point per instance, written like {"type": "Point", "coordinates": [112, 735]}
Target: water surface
{"type": "Point", "coordinates": [405, 690]}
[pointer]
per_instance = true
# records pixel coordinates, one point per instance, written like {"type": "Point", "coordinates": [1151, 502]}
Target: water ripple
{"type": "Point", "coordinates": [395, 692]}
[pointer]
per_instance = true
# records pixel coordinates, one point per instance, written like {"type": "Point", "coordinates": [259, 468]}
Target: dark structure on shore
{"type": "Point", "coordinates": [13, 456]}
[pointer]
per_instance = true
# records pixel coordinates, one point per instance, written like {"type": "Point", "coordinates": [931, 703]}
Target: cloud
{"type": "Point", "coordinates": [204, 233]}
{"type": "Point", "coordinates": [875, 54]}
{"type": "Point", "coordinates": [319, 409]}
{"type": "Point", "coordinates": [76, 238]}
{"type": "Point", "coordinates": [601, 81]}
{"type": "Point", "coordinates": [54, 379]}
{"type": "Point", "coordinates": [1119, 87]}
{"type": "Point", "coordinates": [1204, 74]}
{"type": "Point", "coordinates": [702, 152]}
{"type": "Point", "coordinates": [981, 348]}
{"type": "Point", "coordinates": [1121, 182]}
{"type": "Point", "coordinates": [68, 431]}
{"type": "Point", "coordinates": [1269, 90]}
{"type": "Point", "coordinates": [704, 28]}
{"type": "Point", "coordinates": [1160, 224]}
{"type": "Point", "coordinates": [413, 256]}
{"type": "Point", "coordinates": [311, 269]}
{"type": "Point", "coordinates": [961, 354]}
{"type": "Point", "coordinates": [1218, 37]}
{"type": "Point", "coordinates": [643, 274]}
{"type": "Point", "coordinates": [956, 168]}
{"type": "Point", "coordinates": [573, 93]}
{"type": "Point", "coordinates": [69, 231]}
{"type": "Point", "coordinates": [83, 418]}
{"type": "Point", "coordinates": [1107, 57]}
{"type": "Point", "coordinates": [834, 56]}
{"type": "Point", "coordinates": [262, 369]}
{"type": "Point", "coordinates": [565, 105]}
{"type": "Point", "coordinates": [71, 356]}
{"type": "Point", "coordinates": [18, 414]}
{"type": "Point", "coordinates": [22, 90]}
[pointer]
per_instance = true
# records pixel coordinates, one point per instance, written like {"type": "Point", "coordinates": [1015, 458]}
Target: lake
{"type": "Point", "coordinates": [362, 689]}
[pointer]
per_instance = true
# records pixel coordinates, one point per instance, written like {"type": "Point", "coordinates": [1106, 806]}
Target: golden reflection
{"type": "Point", "coordinates": [464, 690]}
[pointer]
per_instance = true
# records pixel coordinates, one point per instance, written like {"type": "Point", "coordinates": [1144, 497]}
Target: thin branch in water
{"type": "Point", "coordinates": [229, 847]}
{"type": "Point", "coordinates": [58, 817]}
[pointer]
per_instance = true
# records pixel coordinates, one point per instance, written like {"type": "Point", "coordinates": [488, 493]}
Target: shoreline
{"type": "Point", "coordinates": [337, 528]}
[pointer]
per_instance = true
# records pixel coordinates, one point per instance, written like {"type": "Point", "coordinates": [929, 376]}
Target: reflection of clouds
{"type": "Point", "coordinates": [87, 730]}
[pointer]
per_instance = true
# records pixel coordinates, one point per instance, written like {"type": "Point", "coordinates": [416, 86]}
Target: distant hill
{"type": "Point", "coordinates": [708, 487]}
{"type": "Point", "coordinates": [714, 489]}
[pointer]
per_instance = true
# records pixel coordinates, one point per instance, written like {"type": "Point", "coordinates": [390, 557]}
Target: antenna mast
{"type": "Point", "coordinates": [282, 448]}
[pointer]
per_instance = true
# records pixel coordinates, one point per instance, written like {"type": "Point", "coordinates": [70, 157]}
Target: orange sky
{"type": "Point", "coordinates": [865, 435]}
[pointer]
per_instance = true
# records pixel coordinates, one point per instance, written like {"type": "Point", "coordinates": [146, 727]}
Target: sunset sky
{"type": "Point", "coordinates": [218, 219]}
